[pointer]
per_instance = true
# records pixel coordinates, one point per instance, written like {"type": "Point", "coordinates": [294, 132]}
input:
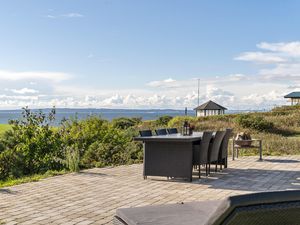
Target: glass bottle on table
{"type": "Point", "coordinates": [185, 128]}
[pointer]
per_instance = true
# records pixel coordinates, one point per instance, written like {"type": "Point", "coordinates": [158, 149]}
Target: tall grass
{"type": "Point", "coordinates": [73, 158]}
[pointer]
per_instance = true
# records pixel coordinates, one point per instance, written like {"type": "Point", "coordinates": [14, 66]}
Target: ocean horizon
{"type": "Point", "coordinates": [105, 113]}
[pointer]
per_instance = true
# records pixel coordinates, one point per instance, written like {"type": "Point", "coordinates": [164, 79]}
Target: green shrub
{"type": "Point", "coordinates": [11, 164]}
{"type": "Point", "coordinates": [125, 123]}
{"type": "Point", "coordinates": [163, 120]}
{"type": "Point", "coordinates": [254, 122]}
{"type": "Point", "coordinates": [32, 146]}
{"type": "Point", "coordinates": [115, 148]}
{"type": "Point", "coordinates": [84, 132]}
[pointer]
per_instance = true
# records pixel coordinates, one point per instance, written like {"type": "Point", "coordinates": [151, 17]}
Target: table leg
{"type": "Point", "coordinates": [233, 149]}
{"type": "Point", "coordinates": [260, 150]}
{"type": "Point", "coordinates": [145, 177]}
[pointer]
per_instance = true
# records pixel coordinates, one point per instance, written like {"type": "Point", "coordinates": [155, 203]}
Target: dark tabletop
{"type": "Point", "coordinates": [196, 136]}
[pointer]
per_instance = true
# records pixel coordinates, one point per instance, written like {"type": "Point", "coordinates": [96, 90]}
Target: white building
{"type": "Point", "coordinates": [294, 98]}
{"type": "Point", "coordinates": [210, 108]}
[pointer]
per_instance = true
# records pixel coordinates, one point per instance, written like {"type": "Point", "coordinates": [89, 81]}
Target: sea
{"type": "Point", "coordinates": [109, 114]}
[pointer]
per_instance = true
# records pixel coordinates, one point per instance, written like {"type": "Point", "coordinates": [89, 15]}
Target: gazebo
{"type": "Point", "coordinates": [210, 108]}
{"type": "Point", "coordinates": [294, 97]}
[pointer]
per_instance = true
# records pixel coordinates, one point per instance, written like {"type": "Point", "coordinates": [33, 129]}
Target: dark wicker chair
{"type": "Point", "coordinates": [223, 153]}
{"type": "Point", "coordinates": [172, 130]}
{"type": "Point", "coordinates": [268, 208]}
{"type": "Point", "coordinates": [161, 132]}
{"type": "Point", "coordinates": [214, 149]}
{"type": "Point", "coordinates": [145, 133]}
{"type": "Point", "coordinates": [200, 152]}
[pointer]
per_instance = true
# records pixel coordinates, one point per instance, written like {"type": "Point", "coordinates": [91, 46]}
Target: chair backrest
{"type": "Point", "coordinates": [145, 133]}
{"type": "Point", "coordinates": [161, 132]}
{"type": "Point", "coordinates": [266, 208]}
{"type": "Point", "coordinates": [204, 146]}
{"type": "Point", "coordinates": [215, 146]}
{"type": "Point", "coordinates": [172, 130]}
{"type": "Point", "coordinates": [224, 146]}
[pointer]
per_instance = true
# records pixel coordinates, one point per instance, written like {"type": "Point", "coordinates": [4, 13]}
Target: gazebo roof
{"type": "Point", "coordinates": [295, 94]}
{"type": "Point", "coordinates": [210, 105]}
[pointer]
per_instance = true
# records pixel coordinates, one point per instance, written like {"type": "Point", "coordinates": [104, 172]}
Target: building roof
{"type": "Point", "coordinates": [295, 94]}
{"type": "Point", "coordinates": [210, 105]}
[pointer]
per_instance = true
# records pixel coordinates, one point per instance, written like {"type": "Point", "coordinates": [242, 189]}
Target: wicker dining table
{"type": "Point", "coordinates": [169, 155]}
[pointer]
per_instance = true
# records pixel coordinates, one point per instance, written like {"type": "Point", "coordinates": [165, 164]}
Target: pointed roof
{"type": "Point", "coordinates": [295, 94]}
{"type": "Point", "coordinates": [210, 105]}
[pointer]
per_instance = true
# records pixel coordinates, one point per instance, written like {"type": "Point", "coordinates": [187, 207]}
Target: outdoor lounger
{"type": "Point", "coordinates": [267, 208]}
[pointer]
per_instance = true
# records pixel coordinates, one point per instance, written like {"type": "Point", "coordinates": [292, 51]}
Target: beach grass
{"type": "Point", "coordinates": [4, 127]}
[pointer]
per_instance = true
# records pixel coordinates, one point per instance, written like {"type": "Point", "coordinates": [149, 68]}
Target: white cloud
{"type": "Point", "coordinates": [51, 16]}
{"type": "Point", "coordinates": [291, 48]}
{"type": "Point", "coordinates": [283, 57]}
{"type": "Point", "coordinates": [167, 83]}
{"type": "Point", "coordinates": [282, 71]}
{"type": "Point", "coordinates": [114, 100]}
{"type": "Point", "coordinates": [213, 91]}
{"type": "Point", "coordinates": [33, 75]}
{"type": "Point", "coordinates": [67, 15]}
{"type": "Point", "coordinates": [260, 57]}
{"type": "Point", "coordinates": [270, 99]}
{"type": "Point", "coordinates": [295, 87]}
{"type": "Point", "coordinates": [18, 97]}
{"type": "Point", "coordinates": [219, 95]}
{"type": "Point", "coordinates": [238, 77]}
{"type": "Point", "coordinates": [24, 91]}
{"type": "Point", "coordinates": [72, 15]}
{"type": "Point", "coordinates": [254, 97]}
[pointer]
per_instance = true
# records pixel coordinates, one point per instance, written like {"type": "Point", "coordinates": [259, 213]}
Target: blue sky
{"type": "Point", "coordinates": [148, 54]}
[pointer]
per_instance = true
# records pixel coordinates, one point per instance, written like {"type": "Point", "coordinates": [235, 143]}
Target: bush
{"type": "Point", "coordinates": [34, 145]}
{"type": "Point", "coordinates": [101, 143]}
{"type": "Point", "coordinates": [115, 148]}
{"type": "Point", "coordinates": [254, 122]}
{"type": "Point", "coordinates": [125, 123]}
{"type": "Point", "coordinates": [10, 164]}
{"type": "Point", "coordinates": [84, 132]}
{"type": "Point", "coordinates": [163, 120]}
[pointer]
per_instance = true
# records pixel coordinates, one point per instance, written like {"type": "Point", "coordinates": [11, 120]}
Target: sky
{"type": "Point", "coordinates": [148, 53]}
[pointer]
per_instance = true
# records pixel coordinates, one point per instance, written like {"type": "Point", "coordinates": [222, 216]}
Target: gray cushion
{"type": "Point", "coordinates": [268, 208]}
{"type": "Point", "coordinates": [176, 214]}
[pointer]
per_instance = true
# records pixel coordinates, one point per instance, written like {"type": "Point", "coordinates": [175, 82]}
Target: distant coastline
{"type": "Point", "coordinates": [109, 114]}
